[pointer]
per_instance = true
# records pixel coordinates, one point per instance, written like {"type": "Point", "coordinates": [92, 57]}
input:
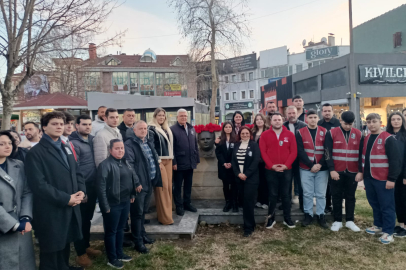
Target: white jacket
{"type": "Point", "coordinates": [97, 125]}
{"type": "Point", "coordinates": [101, 143]}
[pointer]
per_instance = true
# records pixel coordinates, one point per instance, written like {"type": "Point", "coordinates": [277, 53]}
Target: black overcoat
{"type": "Point", "coordinates": [224, 155]}
{"type": "Point", "coordinates": [52, 182]}
{"type": "Point", "coordinates": [252, 158]}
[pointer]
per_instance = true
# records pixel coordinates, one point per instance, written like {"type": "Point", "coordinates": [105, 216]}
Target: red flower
{"type": "Point", "coordinates": [209, 127]}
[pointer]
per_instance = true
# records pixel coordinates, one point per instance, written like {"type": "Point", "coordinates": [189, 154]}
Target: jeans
{"type": "Point", "coordinates": [249, 199]}
{"type": "Point", "coordinates": [184, 177]}
{"type": "Point", "coordinates": [314, 184]}
{"type": "Point", "coordinates": [344, 188]}
{"type": "Point", "coordinates": [382, 201]}
{"type": "Point", "coordinates": [279, 182]}
{"type": "Point", "coordinates": [298, 191]}
{"type": "Point", "coordinates": [400, 200]}
{"type": "Point", "coordinates": [86, 211]}
{"type": "Point", "coordinates": [138, 209]}
{"type": "Point", "coordinates": [114, 223]}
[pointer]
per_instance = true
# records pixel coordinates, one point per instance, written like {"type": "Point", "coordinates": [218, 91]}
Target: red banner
{"type": "Point", "coordinates": [173, 93]}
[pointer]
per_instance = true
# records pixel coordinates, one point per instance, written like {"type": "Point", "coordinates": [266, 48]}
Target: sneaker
{"type": "Point", "coordinates": [264, 206]}
{"type": "Point", "coordinates": [295, 200]}
{"type": "Point", "coordinates": [126, 258]}
{"type": "Point", "coordinates": [328, 209]}
{"type": "Point", "coordinates": [116, 264]}
{"type": "Point", "coordinates": [322, 221]}
{"type": "Point", "coordinates": [397, 230]}
{"type": "Point", "coordinates": [289, 223]}
{"type": "Point", "coordinates": [258, 205]}
{"type": "Point", "coordinates": [373, 230]}
{"type": "Point", "coordinates": [401, 233]}
{"type": "Point", "coordinates": [351, 225]}
{"type": "Point", "coordinates": [307, 220]}
{"type": "Point", "coordinates": [270, 222]}
{"type": "Point", "coordinates": [386, 239]}
{"type": "Point", "coordinates": [336, 226]}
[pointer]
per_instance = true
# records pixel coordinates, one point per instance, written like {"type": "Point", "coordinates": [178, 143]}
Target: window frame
{"type": "Point", "coordinates": [253, 94]}
{"type": "Point", "coordinates": [227, 96]}
{"type": "Point", "coordinates": [250, 78]}
{"type": "Point", "coordinates": [234, 95]}
{"type": "Point", "coordinates": [245, 95]}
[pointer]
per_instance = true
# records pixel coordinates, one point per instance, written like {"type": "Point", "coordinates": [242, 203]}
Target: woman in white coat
{"type": "Point", "coordinates": [16, 246]}
{"type": "Point", "coordinates": [160, 133]}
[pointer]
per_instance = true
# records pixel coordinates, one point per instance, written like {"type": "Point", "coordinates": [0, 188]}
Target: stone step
{"type": "Point", "coordinates": [183, 227]}
{"type": "Point", "coordinates": [211, 211]}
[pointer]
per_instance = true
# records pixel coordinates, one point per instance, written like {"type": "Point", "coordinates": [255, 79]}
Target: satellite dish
{"type": "Point", "coordinates": [324, 40]}
{"type": "Point", "coordinates": [304, 42]}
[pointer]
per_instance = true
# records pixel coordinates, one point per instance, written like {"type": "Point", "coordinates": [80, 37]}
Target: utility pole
{"type": "Point", "coordinates": [354, 101]}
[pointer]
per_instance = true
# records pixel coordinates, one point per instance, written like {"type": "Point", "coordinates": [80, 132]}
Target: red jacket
{"type": "Point", "coordinates": [274, 151]}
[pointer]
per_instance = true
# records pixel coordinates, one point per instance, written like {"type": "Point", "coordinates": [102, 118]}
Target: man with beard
{"type": "Point", "coordinates": [31, 131]}
{"type": "Point", "coordinates": [328, 122]}
{"type": "Point", "coordinates": [294, 124]}
{"type": "Point", "coordinates": [98, 123]}
{"type": "Point", "coordinates": [271, 108]}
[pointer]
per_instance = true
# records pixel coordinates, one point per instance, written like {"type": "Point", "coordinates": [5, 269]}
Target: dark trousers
{"type": "Point", "coordinates": [382, 201]}
{"type": "Point", "coordinates": [298, 190]}
{"type": "Point", "coordinates": [249, 193]}
{"type": "Point", "coordinates": [230, 188]}
{"type": "Point", "coordinates": [184, 177]}
{"type": "Point", "coordinates": [328, 192]}
{"type": "Point", "coordinates": [58, 260]}
{"type": "Point", "coordinates": [344, 188]}
{"type": "Point", "coordinates": [138, 209]}
{"type": "Point", "coordinates": [400, 200]}
{"type": "Point", "coordinates": [86, 211]}
{"type": "Point", "coordinates": [279, 182]}
{"type": "Point", "coordinates": [263, 194]}
{"type": "Point", "coordinates": [114, 223]}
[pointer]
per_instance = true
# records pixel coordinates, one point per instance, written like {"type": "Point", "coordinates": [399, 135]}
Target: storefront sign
{"type": "Point", "coordinates": [173, 94]}
{"type": "Point", "coordinates": [382, 74]}
{"type": "Point", "coordinates": [173, 87]}
{"type": "Point", "coordinates": [31, 116]}
{"type": "Point", "coordinates": [239, 106]}
{"type": "Point", "coordinates": [239, 64]}
{"type": "Point", "coordinates": [321, 53]}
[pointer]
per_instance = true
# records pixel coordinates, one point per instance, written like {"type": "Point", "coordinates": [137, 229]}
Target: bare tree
{"type": "Point", "coordinates": [214, 28]}
{"type": "Point", "coordinates": [30, 28]}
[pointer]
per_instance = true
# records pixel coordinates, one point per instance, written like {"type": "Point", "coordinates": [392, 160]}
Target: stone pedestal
{"type": "Point", "coordinates": [206, 184]}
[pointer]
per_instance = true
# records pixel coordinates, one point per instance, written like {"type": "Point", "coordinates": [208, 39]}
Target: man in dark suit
{"type": "Point", "coordinates": [58, 189]}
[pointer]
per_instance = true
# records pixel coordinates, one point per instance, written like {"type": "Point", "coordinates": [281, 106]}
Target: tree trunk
{"type": "Point", "coordinates": [7, 101]}
{"type": "Point", "coordinates": [214, 80]}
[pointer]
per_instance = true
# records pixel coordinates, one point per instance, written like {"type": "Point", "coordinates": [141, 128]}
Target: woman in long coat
{"type": "Point", "coordinates": [16, 246]}
{"type": "Point", "coordinates": [160, 133]}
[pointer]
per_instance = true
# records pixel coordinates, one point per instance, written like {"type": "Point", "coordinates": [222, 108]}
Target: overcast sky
{"type": "Point", "coordinates": [152, 24]}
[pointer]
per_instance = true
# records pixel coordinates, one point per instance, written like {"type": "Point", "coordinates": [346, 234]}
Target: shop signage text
{"type": "Point", "coordinates": [173, 87]}
{"type": "Point", "coordinates": [382, 74]}
{"type": "Point", "coordinates": [173, 94]}
{"type": "Point", "coordinates": [239, 106]}
{"type": "Point", "coordinates": [242, 63]}
{"type": "Point", "coordinates": [321, 53]}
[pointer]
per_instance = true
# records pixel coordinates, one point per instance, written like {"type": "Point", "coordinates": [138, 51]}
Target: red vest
{"type": "Point", "coordinates": [346, 155]}
{"type": "Point", "coordinates": [314, 150]}
{"type": "Point", "coordinates": [378, 161]}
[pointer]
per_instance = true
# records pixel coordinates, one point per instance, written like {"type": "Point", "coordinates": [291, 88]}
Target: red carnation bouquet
{"type": "Point", "coordinates": [209, 127]}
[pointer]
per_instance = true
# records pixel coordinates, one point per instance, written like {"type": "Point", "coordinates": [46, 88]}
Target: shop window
{"type": "Point", "coordinates": [147, 83]}
{"type": "Point", "coordinates": [333, 79]}
{"type": "Point", "coordinates": [306, 86]}
{"type": "Point", "coordinates": [397, 39]}
{"type": "Point", "coordinates": [227, 96]}
{"type": "Point", "coordinates": [251, 93]}
{"type": "Point", "coordinates": [91, 78]}
{"type": "Point", "coordinates": [243, 95]}
{"type": "Point", "coordinates": [134, 83]}
{"type": "Point", "coordinates": [159, 84]}
{"type": "Point", "coordinates": [120, 81]}
{"type": "Point", "coordinates": [251, 76]}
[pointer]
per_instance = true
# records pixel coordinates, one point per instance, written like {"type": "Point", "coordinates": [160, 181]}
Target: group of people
{"type": "Point", "coordinates": [50, 184]}
{"type": "Point", "coordinates": [52, 181]}
{"type": "Point", "coordinates": [324, 159]}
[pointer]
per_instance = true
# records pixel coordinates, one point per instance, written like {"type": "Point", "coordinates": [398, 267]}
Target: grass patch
{"type": "Point", "coordinates": [224, 248]}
